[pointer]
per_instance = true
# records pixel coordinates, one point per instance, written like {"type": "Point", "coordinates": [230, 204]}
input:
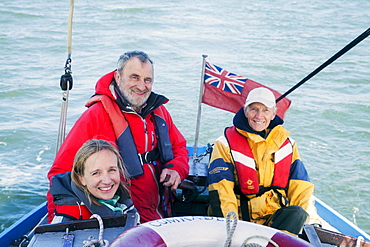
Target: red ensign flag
{"type": "Point", "coordinates": [229, 91]}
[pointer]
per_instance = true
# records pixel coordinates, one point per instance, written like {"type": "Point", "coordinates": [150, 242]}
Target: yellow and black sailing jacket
{"type": "Point", "coordinates": [263, 200]}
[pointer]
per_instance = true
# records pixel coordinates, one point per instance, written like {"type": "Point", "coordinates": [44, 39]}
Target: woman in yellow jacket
{"type": "Point", "coordinates": [255, 170]}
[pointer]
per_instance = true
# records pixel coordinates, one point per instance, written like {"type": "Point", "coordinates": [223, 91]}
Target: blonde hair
{"type": "Point", "coordinates": [89, 148]}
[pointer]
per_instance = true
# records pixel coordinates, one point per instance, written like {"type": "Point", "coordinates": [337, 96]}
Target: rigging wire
{"type": "Point", "coordinates": [66, 82]}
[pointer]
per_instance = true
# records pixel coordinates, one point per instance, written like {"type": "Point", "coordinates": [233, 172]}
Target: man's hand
{"type": "Point", "coordinates": [170, 178]}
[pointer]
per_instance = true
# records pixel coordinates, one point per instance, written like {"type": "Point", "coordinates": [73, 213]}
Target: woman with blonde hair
{"type": "Point", "coordinates": [97, 184]}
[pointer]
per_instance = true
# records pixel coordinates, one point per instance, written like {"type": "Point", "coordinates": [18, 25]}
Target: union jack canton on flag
{"type": "Point", "coordinates": [224, 80]}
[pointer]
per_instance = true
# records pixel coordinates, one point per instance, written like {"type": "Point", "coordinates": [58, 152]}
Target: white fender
{"type": "Point", "coordinates": [202, 231]}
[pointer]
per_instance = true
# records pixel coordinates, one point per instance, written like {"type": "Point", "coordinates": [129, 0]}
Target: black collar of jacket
{"type": "Point", "coordinates": [240, 121]}
{"type": "Point", "coordinates": [153, 102]}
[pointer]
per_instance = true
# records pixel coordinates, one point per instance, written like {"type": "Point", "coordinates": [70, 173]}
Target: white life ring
{"type": "Point", "coordinates": [202, 231]}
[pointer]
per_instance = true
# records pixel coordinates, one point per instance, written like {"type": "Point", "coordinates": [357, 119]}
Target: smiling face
{"type": "Point", "coordinates": [259, 116]}
{"type": "Point", "coordinates": [101, 175]}
{"type": "Point", "coordinates": [135, 82]}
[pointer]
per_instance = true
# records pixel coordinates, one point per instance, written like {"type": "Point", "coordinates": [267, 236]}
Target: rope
{"type": "Point", "coordinates": [63, 119]}
{"type": "Point", "coordinates": [358, 241]}
{"type": "Point", "coordinates": [253, 245]}
{"type": "Point", "coordinates": [66, 82]}
{"type": "Point", "coordinates": [230, 231]}
{"type": "Point", "coordinates": [24, 239]}
{"type": "Point", "coordinates": [258, 236]}
{"type": "Point", "coordinates": [198, 158]}
{"type": "Point", "coordinates": [71, 7]}
{"type": "Point", "coordinates": [91, 242]}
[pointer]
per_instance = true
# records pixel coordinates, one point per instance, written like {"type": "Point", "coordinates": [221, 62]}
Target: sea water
{"type": "Point", "coordinates": [276, 43]}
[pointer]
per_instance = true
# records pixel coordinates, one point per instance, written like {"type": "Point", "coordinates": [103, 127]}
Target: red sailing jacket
{"type": "Point", "coordinates": [245, 164]}
{"type": "Point", "coordinates": [96, 123]}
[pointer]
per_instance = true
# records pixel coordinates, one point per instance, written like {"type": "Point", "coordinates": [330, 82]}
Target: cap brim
{"type": "Point", "coordinates": [267, 103]}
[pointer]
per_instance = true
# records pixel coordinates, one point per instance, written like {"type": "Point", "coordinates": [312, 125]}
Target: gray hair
{"type": "Point", "coordinates": [127, 55]}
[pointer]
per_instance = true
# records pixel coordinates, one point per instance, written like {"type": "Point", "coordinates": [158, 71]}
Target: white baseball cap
{"type": "Point", "coordinates": [261, 95]}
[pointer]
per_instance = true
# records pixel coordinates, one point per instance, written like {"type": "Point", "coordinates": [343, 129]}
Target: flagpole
{"type": "Point", "coordinates": [199, 108]}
